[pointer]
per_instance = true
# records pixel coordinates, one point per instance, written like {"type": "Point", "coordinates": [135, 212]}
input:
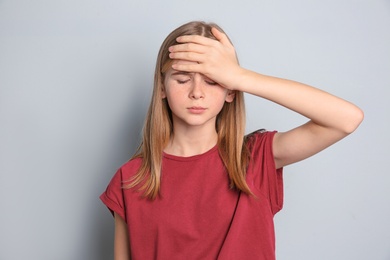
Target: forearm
{"type": "Point", "coordinates": [321, 107]}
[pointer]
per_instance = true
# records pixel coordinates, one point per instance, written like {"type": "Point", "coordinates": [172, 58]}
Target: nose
{"type": "Point", "coordinates": [197, 89]}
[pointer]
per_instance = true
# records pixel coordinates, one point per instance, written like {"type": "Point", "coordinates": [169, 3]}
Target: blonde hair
{"type": "Point", "coordinates": [158, 126]}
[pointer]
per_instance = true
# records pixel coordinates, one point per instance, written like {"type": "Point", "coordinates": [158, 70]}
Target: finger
{"type": "Point", "coordinates": [187, 47]}
{"type": "Point", "coordinates": [195, 39]}
{"type": "Point", "coordinates": [189, 56]}
{"type": "Point", "coordinates": [221, 37]}
{"type": "Point", "coordinates": [183, 65]}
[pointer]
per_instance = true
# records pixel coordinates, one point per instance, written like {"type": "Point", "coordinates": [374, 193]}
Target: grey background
{"type": "Point", "coordinates": [75, 82]}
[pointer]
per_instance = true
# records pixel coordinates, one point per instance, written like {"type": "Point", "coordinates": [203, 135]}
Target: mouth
{"type": "Point", "coordinates": [196, 109]}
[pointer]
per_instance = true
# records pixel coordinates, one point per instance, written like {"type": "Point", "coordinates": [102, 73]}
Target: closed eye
{"type": "Point", "coordinates": [211, 83]}
{"type": "Point", "coordinates": [182, 81]}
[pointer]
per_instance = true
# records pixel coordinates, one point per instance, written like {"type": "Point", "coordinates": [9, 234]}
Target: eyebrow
{"type": "Point", "coordinates": [181, 73]}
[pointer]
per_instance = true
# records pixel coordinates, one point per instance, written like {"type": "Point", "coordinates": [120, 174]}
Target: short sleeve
{"type": "Point", "coordinates": [265, 177]}
{"type": "Point", "coordinates": [113, 196]}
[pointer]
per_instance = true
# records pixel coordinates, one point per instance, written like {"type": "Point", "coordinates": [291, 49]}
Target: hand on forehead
{"type": "Point", "coordinates": [185, 62]}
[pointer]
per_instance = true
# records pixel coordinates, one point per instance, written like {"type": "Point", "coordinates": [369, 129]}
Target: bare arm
{"type": "Point", "coordinates": [121, 240]}
{"type": "Point", "coordinates": [330, 118]}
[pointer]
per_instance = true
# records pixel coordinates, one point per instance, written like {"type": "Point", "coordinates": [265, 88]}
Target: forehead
{"type": "Point", "coordinates": [167, 67]}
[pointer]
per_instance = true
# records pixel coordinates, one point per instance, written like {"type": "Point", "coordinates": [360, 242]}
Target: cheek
{"type": "Point", "coordinates": [221, 93]}
{"type": "Point", "coordinates": [174, 96]}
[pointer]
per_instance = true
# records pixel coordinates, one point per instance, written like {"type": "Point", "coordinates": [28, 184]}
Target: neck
{"type": "Point", "coordinates": [193, 141]}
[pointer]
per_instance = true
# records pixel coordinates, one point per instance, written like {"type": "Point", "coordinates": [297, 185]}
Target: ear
{"type": "Point", "coordinates": [230, 96]}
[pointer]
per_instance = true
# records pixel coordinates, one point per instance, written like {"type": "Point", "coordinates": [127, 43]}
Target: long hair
{"type": "Point", "coordinates": [158, 126]}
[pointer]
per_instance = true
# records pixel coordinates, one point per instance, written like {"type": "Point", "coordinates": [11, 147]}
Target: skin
{"type": "Point", "coordinates": [330, 118]}
{"type": "Point", "coordinates": [195, 101]}
{"type": "Point", "coordinates": [121, 239]}
{"type": "Point", "coordinates": [201, 61]}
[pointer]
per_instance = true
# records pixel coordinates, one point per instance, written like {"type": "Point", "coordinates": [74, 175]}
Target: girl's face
{"type": "Point", "coordinates": [194, 99]}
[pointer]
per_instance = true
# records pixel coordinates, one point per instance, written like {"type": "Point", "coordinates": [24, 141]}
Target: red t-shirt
{"type": "Point", "coordinates": [197, 215]}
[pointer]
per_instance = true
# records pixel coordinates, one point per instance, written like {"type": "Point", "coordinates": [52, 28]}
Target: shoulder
{"type": "Point", "coordinates": [132, 164]}
{"type": "Point", "coordinates": [259, 137]}
{"type": "Point", "coordinates": [126, 171]}
{"type": "Point", "coordinates": [130, 168]}
{"type": "Point", "coordinates": [260, 145]}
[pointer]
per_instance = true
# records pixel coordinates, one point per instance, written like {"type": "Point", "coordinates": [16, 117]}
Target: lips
{"type": "Point", "coordinates": [196, 109]}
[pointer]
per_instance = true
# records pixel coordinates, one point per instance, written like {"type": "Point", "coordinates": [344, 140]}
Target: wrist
{"type": "Point", "coordinates": [241, 79]}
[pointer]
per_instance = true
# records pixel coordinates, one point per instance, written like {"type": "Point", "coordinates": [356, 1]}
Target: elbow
{"type": "Point", "coordinates": [353, 120]}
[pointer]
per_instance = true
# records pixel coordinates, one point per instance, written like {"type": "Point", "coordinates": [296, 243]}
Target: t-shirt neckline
{"type": "Point", "coordinates": [190, 158]}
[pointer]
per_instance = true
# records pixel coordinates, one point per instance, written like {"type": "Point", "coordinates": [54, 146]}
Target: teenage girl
{"type": "Point", "coordinates": [198, 188]}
